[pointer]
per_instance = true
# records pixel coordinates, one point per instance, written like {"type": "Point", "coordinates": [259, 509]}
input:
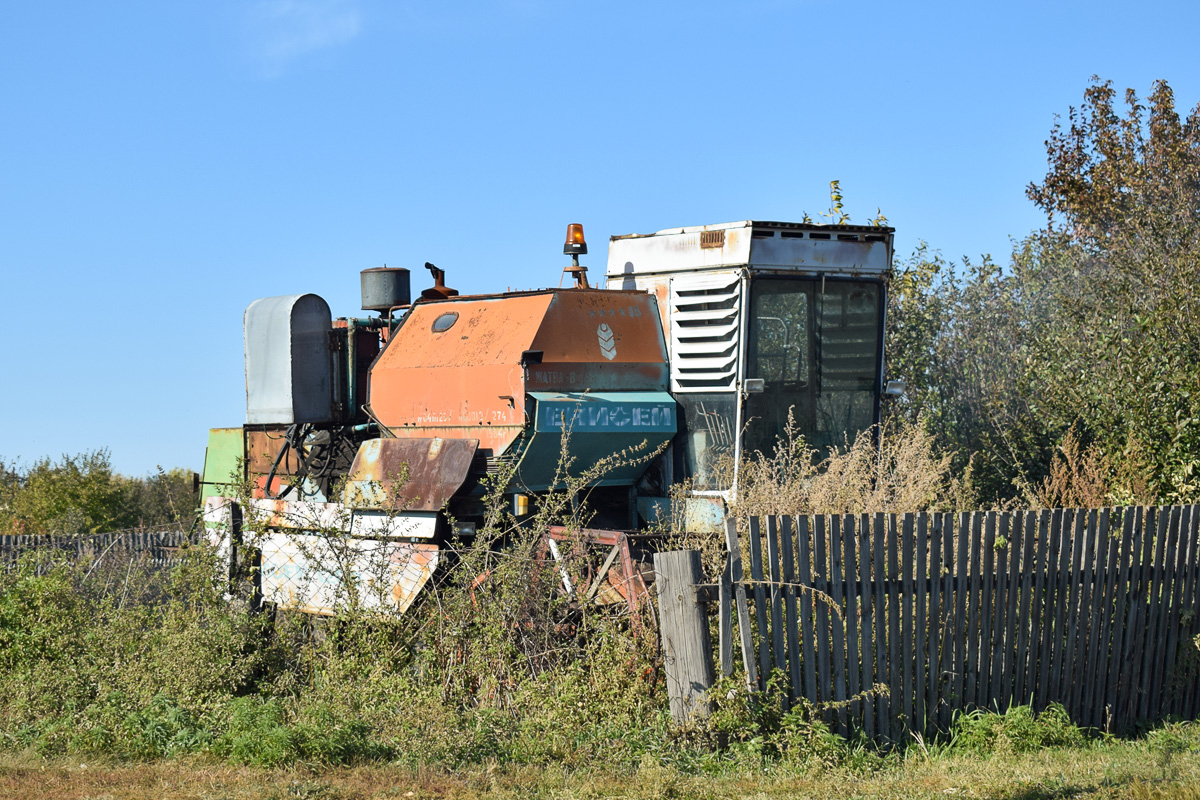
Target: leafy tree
{"type": "Point", "coordinates": [1091, 328]}
{"type": "Point", "coordinates": [75, 495]}
{"type": "Point", "coordinates": [82, 494]}
{"type": "Point", "coordinates": [164, 498]}
{"type": "Point", "coordinates": [959, 338]}
{"type": "Point", "coordinates": [1112, 282]}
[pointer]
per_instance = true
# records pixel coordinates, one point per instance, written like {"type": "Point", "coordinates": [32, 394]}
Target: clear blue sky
{"type": "Point", "coordinates": [165, 163]}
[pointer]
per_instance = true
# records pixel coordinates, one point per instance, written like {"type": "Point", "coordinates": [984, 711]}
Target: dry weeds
{"type": "Point", "coordinates": [903, 472]}
{"type": "Point", "coordinates": [1082, 475]}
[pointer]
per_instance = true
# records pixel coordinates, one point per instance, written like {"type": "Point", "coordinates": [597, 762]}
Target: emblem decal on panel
{"type": "Point", "coordinates": [608, 345]}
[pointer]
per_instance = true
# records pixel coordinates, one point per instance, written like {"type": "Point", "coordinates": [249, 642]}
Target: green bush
{"type": "Point", "coordinates": [163, 728]}
{"type": "Point", "coordinates": [256, 734]}
{"type": "Point", "coordinates": [755, 727]}
{"type": "Point", "coordinates": [1017, 730]}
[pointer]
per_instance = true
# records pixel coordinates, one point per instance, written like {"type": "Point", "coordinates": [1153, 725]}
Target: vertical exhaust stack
{"type": "Point", "coordinates": [384, 288]}
{"type": "Point", "coordinates": [439, 290]}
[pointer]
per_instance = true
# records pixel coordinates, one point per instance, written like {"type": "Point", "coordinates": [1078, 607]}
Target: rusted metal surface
{"type": "Point", "coordinates": [414, 474]}
{"type": "Point", "coordinates": [439, 290]}
{"type": "Point", "coordinates": [491, 438]}
{"type": "Point", "coordinates": [622, 579]}
{"type": "Point", "coordinates": [262, 445]}
{"type": "Point", "coordinates": [562, 533]}
{"type": "Point", "coordinates": [362, 339]}
{"type": "Point", "coordinates": [464, 382]}
{"type": "Point", "coordinates": [338, 519]}
{"type": "Point", "coordinates": [384, 288]}
{"type": "Point", "coordinates": [704, 514]}
{"type": "Point", "coordinates": [468, 379]}
{"type": "Point", "coordinates": [600, 340]}
{"type": "Point", "coordinates": [328, 519]}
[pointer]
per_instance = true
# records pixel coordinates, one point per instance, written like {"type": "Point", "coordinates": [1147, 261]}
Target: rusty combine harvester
{"type": "Point", "coordinates": [389, 429]}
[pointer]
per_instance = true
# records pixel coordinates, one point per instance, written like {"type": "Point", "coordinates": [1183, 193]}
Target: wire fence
{"type": "Point", "coordinates": [156, 548]}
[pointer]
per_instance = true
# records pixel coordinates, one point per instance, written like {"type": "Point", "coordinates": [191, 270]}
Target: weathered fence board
{"type": "Point", "coordinates": [932, 696]}
{"type": "Point", "coordinates": [687, 652]}
{"type": "Point", "coordinates": [760, 604]}
{"type": "Point", "coordinates": [743, 611]}
{"type": "Point", "coordinates": [778, 625]}
{"type": "Point", "coordinates": [922, 583]}
{"type": "Point", "coordinates": [1092, 609]}
{"type": "Point", "coordinates": [822, 633]}
{"type": "Point", "coordinates": [807, 640]}
{"type": "Point", "coordinates": [883, 707]}
{"type": "Point", "coordinates": [838, 620]}
{"type": "Point", "coordinates": [948, 669]}
{"type": "Point", "coordinates": [792, 621]}
{"type": "Point", "coordinates": [1182, 554]}
{"type": "Point", "coordinates": [867, 606]}
{"type": "Point", "coordinates": [852, 627]}
{"type": "Point", "coordinates": [1080, 603]}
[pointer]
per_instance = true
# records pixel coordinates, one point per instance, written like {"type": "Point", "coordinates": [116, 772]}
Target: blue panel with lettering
{"type": "Point", "coordinates": [603, 412]}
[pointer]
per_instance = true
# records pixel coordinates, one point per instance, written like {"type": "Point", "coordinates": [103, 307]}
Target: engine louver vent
{"type": "Point", "coordinates": [705, 319]}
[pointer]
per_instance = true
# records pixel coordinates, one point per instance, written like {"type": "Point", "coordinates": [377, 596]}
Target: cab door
{"type": "Point", "coordinates": [816, 343]}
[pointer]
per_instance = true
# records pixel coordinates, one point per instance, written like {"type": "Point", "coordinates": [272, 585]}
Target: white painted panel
{"type": "Point", "coordinates": [705, 323]}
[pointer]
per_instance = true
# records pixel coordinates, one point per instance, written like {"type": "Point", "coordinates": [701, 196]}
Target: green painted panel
{"type": "Point", "coordinates": [597, 426]}
{"type": "Point", "coordinates": [222, 461]}
{"type": "Point", "coordinates": [605, 412]}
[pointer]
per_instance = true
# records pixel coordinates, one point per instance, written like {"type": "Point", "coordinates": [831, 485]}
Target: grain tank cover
{"type": "Point", "coordinates": [288, 362]}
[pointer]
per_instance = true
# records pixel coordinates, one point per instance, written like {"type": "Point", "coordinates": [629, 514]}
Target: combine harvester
{"type": "Point", "coordinates": [371, 442]}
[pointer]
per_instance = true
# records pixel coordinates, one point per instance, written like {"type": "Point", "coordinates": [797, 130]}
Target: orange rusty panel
{"type": "Point", "coordinates": [492, 438]}
{"type": "Point", "coordinates": [489, 330]}
{"type": "Point", "coordinates": [453, 368]}
{"type": "Point", "coordinates": [660, 288]}
{"type": "Point", "coordinates": [461, 380]}
{"type": "Point", "coordinates": [451, 402]}
{"type": "Point", "coordinates": [601, 340]}
{"type": "Point", "coordinates": [415, 474]}
{"type": "Point", "coordinates": [262, 446]}
{"type": "Point", "coordinates": [662, 291]}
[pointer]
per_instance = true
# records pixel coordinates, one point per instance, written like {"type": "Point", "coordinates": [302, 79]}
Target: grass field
{"type": "Point", "coordinates": [1131, 769]}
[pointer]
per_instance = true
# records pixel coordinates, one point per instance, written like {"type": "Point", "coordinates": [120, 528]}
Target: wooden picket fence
{"type": "Point", "coordinates": [893, 623]}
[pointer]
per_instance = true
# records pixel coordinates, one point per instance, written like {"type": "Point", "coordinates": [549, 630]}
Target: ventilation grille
{"type": "Point", "coordinates": [705, 320]}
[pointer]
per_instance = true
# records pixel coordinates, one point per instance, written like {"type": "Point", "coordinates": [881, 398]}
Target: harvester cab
{"type": "Point", "coordinates": [764, 321]}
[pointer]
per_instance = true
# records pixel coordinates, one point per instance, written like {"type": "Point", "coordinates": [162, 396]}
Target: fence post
{"type": "Point", "coordinates": [687, 650]}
